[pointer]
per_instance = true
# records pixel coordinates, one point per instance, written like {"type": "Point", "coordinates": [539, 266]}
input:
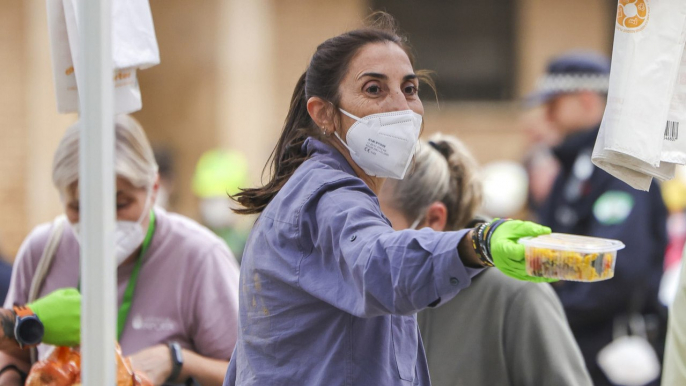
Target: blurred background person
{"type": "Point", "coordinates": [5, 276]}
{"type": "Point", "coordinates": [673, 285]}
{"type": "Point", "coordinates": [499, 331]}
{"type": "Point", "coordinates": [218, 174]}
{"type": "Point", "coordinates": [585, 200]}
{"type": "Point", "coordinates": [170, 270]}
{"type": "Point", "coordinates": [540, 163]}
{"type": "Point", "coordinates": [166, 194]}
{"type": "Point", "coordinates": [674, 193]}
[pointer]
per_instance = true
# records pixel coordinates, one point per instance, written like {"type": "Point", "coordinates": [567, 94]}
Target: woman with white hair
{"type": "Point", "coordinates": [171, 270]}
{"type": "Point", "coordinates": [499, 331]}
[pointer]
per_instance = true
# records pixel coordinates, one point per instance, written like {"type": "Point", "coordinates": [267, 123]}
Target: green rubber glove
{"type": "Point", "coordinates": [60, 313]}
{"type": "Point", "coordinates": [508, 254]}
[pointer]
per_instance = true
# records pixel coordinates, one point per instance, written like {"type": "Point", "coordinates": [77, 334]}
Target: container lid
{"type": "Point", "coordinates": [573, 243]}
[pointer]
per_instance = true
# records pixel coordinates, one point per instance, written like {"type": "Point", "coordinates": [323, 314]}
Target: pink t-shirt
{"type": "Point", "coordinates": [187, 289]}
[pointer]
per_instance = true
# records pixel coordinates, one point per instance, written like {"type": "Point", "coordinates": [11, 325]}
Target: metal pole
{"type": "Point", "coordinates": [97, 185]}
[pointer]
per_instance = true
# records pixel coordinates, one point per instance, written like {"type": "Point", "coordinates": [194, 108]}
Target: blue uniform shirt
{"type": "Point", "coordinates": [329, 290]}
{"type": "Point", "coordinates": [587, 201]}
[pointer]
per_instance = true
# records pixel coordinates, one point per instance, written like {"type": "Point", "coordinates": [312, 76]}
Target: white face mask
{"type": "Point", "coordinates": [383, 144]}
{"type": "Point", "coordinates": [128, 235]}
{"type": "Point", "coordinates": [630, 359]}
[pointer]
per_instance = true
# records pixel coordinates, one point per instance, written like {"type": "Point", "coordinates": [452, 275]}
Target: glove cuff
{"type": "Point", "coordinates": [490, 231]}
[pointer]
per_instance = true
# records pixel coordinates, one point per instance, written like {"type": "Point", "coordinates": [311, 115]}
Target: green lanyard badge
{"type": "Point", "coordinates": [125, 307]}
{"type": "Point", "coordinates": [128, 294]}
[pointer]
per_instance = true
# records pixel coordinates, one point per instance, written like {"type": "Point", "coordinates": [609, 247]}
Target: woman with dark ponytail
{"type": "Point", "coordinates": [328, 289]}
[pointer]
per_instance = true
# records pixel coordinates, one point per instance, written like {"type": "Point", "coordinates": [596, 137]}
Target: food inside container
{"type": "Point", "coordinates": [571, 257]}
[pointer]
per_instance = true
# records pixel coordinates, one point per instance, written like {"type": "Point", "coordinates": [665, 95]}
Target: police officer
{"type": "Point", "coordinates": [585, 200]}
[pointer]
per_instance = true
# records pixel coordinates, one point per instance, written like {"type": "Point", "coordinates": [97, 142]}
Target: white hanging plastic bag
{"type": "Point", "coordinates": [616, 164]}
{"type": "Point", "coordinates": [646, 56]}
{"type": "Point", "coordinates": [133, 46]}
{"type": "Point", "coordinates": [127, 93]}
{"type": "Point", "coordinates": [64, 77]}
{"type": "Point", "coordinates": [674, 147]}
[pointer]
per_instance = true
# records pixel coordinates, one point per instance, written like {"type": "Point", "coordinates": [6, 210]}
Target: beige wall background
{"type": "Point", "coordinates": [227, 74]}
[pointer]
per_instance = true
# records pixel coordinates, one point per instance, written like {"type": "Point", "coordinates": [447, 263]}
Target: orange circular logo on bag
{"type": "Point", "coordinates": [632, 15]}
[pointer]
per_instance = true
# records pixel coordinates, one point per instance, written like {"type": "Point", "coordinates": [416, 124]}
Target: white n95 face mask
{"type": "Point", "coordinates": [128, 235]}
{"type": "Point", "coordinates": [383, 144]}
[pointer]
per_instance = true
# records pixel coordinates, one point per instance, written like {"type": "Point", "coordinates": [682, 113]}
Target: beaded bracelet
{"type": "Point", "coordinates": [478, 245]}
{"type": "Point", "coordinates": [481, 237]}
{"type": "Point", "coordinates": [475, 240]}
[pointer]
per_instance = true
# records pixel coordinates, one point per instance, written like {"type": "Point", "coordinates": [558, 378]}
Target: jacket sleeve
{"type": "Point", "coordinates": [359, 264]}
{"type": "Point", "coordinates": [638, 266]}
{"type": "Point", "coordinates": [539, 346]}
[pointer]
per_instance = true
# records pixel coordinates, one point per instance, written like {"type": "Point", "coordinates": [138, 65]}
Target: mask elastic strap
{"type": "Point", "coordinates": [350, 115]}
{"type": "Point", "coordinates": [339, 137]}
{"type": "Point", "coordinates": [343, 142]}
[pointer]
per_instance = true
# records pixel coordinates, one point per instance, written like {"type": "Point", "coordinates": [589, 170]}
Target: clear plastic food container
{"type": "Point", "coordinates": [571, 257]}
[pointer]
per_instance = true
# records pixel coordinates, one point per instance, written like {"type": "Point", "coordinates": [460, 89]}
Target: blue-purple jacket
{"type": "Point", "coordinates": [329, 290]}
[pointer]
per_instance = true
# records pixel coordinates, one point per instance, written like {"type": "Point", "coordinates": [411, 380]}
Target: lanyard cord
{"type": "Point", "coordinates": [125, 307]}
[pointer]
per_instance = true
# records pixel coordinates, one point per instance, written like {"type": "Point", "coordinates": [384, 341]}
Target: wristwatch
{"type": "Point", "coordinates": [177, 361]}
{"type": "Point", "coordinates": [28, 329]}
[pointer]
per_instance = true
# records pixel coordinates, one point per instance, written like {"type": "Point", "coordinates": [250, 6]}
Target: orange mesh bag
{"type": "Point", "coordinates": [63, 368]}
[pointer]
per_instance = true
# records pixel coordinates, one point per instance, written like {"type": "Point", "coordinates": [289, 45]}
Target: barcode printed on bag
{"type": "Point", "coordinates": [672, 131]}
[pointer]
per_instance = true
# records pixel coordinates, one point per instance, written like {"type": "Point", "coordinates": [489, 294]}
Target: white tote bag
{"type": "Point", "coordinates": [674, 147]}
{"type": "Point", "coordinates": [646, 58]}
{"type": "Point", "coordinates": [64, 76]}
{"type": "Point", "coordinates": [134, 46]}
